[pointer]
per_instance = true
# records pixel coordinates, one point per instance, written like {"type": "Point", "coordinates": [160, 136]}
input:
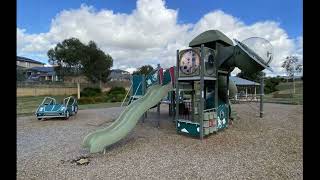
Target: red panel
{"type": "Point", "coordinates": [161, 75]}
{"type": "Point", "coordinates": [171, 70]}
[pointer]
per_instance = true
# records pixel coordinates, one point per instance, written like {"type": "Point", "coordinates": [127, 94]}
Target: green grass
{"type": "Point", "coordinates": [99, 105]}
{"type": "Point", "coordinates": [287, 88]}
{"type": "Point", "coordinates": [28, 105]}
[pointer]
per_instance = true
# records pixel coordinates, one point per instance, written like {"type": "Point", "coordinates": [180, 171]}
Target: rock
{"type": "Point", "coordinates": [82, 161]}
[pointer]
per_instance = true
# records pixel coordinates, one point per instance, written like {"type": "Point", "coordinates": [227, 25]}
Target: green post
{"type": "Point", "coordinates": [261, 95]}
{"type": "Point", "coordinates": [201, 91]}
{"type": "Point", "coordinates": [143, 88]}
{"type": "Point", "coordinates": [216, 83]}
{"type": "Point", "coordinates": [192, 100]}
{"type": "Point", "coordinates": [177, 94]}
{"type": "Point", "coordinates": [158, 106]}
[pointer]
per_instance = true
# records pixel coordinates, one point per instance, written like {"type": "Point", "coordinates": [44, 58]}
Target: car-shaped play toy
{"type": "Point", "coordinates": [49, 108]}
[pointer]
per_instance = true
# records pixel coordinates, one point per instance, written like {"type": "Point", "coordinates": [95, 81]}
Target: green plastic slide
{"type": "Point", "coordinates": [98, 140]}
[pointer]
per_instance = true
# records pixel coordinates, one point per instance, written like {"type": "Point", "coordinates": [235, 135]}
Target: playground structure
{"type": "Point", "coordinates": [197, 88]}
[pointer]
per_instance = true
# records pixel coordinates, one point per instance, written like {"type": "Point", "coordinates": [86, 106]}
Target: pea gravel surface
{"type": "Point", "coordinates": [251, 148]}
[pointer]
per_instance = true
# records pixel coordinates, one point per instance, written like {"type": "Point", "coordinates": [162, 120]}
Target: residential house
{"type": "Point", "coordinates": [41, 74]}
{"type": "Point", "coordinates": [119, 75]}
{"type": "Point", "coordinates": [28, 63]}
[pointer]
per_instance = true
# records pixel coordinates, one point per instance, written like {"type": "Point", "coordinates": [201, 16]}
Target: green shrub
{"type": "Point", "coordinates": [277, 95]}
{"type": "Point", "coordinates": [270, 84]}
{"type": "Point", "coordinates": [86, 100]}
{"type": "Point", "coordinates": [116, 98]}
{"type": "Point", "coordinates": [90, 92]}
{"type": "Point", "coordinates": [117, 90]}
{"type": "Point", "coordinates": [99, 99]}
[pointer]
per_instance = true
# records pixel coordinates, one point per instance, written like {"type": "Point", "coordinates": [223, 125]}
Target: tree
{"type": "Point", "coordinates": [270, 84]}
{"type": "Point", "coordinates": [73, 58]}
{"type": "Point", "coordinates": [20, 75]}
{"type": "Point", "coordinates": [251, 76]}
{"type": "Point", "coordinates": [292, 66]}
{"type": "Point", "coordinates": [146, 69]}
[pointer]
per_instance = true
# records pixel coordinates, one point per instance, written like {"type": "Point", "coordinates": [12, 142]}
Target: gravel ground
{"type": "Point", "coordinates": [252, 148]}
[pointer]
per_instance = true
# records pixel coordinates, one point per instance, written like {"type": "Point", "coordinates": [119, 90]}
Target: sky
{"type": "Point", "coordinates": [143, 32]}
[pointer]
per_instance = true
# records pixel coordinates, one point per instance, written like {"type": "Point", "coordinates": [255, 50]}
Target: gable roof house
{"type": "Point", "coordinates": [24, 62]}
{"type": "Point", "coordinates": [119, 75]}
{"type": "Point", "coordinates": [35, 70]}
{"type": "Point", "coordinates": [41, 74]}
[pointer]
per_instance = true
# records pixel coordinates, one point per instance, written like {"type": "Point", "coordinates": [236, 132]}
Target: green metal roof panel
{"type": "Point", "coordinates": [209, 38]}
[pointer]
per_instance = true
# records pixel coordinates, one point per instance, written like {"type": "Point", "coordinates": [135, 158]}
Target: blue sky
{"type": "Point", "coordinates": [149, 31]}
{"type": "Point", "coordinates": [36, 15]}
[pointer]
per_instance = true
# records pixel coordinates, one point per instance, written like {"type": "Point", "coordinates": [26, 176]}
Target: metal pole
{"type": "Point", "coordinates": [201, 91]}
{"type": "Point", "coordinates": [177, 94]}
{"type": "Point", "coordinates": [143, 88]}
{"type": "Point", "coordinates": [227, 98]}
{"type": "Point", "coordinates": [255, 92]}
{"type": "Point", "coordinates": [158, 106]}
{"type": "Point", "coordinates": [78, 88]}
{"type": "Point", "coordinates": [261, 95]}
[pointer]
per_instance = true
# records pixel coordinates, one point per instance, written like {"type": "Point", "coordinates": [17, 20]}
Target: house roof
{"type": "Point", "coordinates": [46, 70]}
{"type": "Point", "coordinates": [42, 69]}
{"type": "Point", "coordinates": [118, 71]}
{"type": "Point", "coordinates": [24, 59]}
{"type": "Point", "coordinates": [243, 82]}
{"type": "Point", "coordinates": [20, 67]}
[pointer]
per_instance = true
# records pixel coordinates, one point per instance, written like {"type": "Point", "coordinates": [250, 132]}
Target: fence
{"type": "Point", "coordinates": [60, 88]}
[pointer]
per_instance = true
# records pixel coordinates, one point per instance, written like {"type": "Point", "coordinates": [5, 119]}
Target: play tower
{"type": "Point", "coordinates": [202, 74]}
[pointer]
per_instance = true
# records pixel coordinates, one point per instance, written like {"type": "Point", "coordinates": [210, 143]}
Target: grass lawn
{"type": "Point", "coordinates": [28, 105]}
{"type": "Point", "coordinates": [287, 88]}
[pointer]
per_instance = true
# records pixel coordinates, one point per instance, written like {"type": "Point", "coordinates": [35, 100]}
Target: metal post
{"type": "Point", "coordinates": [192, 100]}
{"type": "Point", "coordinates": [261, 95]}
{"type": "Point", "coordinates": [227, 98]}
{"type": "Point", "coordinates": [216, 94]}
{"type": "Point", "coordinates": [78, 87]}
{"type": "Point", "coordinates": [158, 106]}
{"type": "Point", "coordinates": [255, 92]}
{"type": "Point", "coordinates": [143, 88]}
{"type": "Point", "coordinates": [201, 91]}
{"type": "Point", "coordinates": [177, 94]}
{"type": "Point", "coordinates": [246, 93]}
{"type": "Point", "coordinates": [227, 88]}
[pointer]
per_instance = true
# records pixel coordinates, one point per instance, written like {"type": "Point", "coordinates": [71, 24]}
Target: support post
{"type": "Point", "coordinates": [255, 92]}
{"type": "Point", "coordinates": [192, 100]}
{"type": "Point", "coordinates": [143, 88]}
{"type": "Point", "coordinates": [227, 98]}
{"type": "Point", "coordinates": [216, 91]}
{"type": "Point", "coordinates": [201, 91]}
{"type": "Point", "coordinates": [78, 90]}
{"type": "Point", "coordinates": [177, 94]}
{"type": "Point", "coordinates": [246, 93]}
{"type": "Point", "coordinates": [158, 106]}
{"type": "Point", "coordinates": [261, 95]}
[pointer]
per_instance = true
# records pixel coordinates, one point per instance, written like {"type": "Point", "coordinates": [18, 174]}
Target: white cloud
{"type": "Point", "coordinates": [150, 34]}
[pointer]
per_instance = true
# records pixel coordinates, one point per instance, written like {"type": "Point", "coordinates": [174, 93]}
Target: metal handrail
{"type": "Point", "coordinates": [137, 90]}
{"type": "Point", "coordinates": [126, 94]}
